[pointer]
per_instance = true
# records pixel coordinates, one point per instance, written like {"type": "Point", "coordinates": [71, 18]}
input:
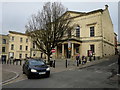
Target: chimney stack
{"type": "Point", "coordinates": [106, 6]}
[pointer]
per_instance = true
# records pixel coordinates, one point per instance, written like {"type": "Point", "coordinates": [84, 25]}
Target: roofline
{"type": "Point", "coordinates": [3, 35]}
{"type": "Point", "coordinates": [91, 12]}
{"type": "Point", "coordinates": [84, 14]}
{"type": "Point", "coordinates": [18, 33]}
{"type": "Point", "coordinates": [76, 12]}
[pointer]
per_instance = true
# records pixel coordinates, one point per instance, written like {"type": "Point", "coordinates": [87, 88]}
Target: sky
{"type": "Point", "coordinates": [15, 15]}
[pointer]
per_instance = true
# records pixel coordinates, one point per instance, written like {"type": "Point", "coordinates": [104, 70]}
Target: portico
{"type": "Point", "coordinates": [62, 50]}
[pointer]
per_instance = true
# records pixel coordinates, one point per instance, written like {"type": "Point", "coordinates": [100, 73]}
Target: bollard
{"type": "Point", "coordinates": [54, 64]}
{"type": "Point", "coordinates": [20, 62]}
{"type": "Point", "coordinates": [16, 62]}
{"type": "Point", "coordinates": [94, 57]}
{"type": "Point", "coordinates": [66, 63]}
{"type": "Point", "coordinates": [10, 61]}
{"type": "Point", "coordinates": [51, 63]}
{"type": "Point", "coordinates": [90, 59]}
{"type": "Point", "coordinates": [77, 63]}
{"type": "Point", "coordinates": [13, 62]}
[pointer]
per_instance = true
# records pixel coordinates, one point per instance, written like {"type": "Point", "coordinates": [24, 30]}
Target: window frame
{"type": "Point", "coordinates": [12, 46]}
{"type": "Point", "coordinates": [3, 50]}
{"type": "Point", "coordinates": [20, 55]}
{"type": "Point", "coordinates": [21, 39]}
{"type": "Point", "coordinates": [26, 40]}
{"type": "Point", "coordinates": [92, 31]}
{"type": "Point", "coordinates": [26, 48]}
{"type": "Point", "coordinates": [4, 41]}
{"type": "Point", "coordinates": [78, 31]}
{"type": "Point", "coordinates": [13, 38]}
{"type": "Point", "coordinates": [20, 47]}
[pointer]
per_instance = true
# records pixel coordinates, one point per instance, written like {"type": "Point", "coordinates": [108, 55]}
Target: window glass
{"type": "Point", "coordinates": [26, 40]}
{"type": "Point", "coordinates": [26, 47]}
{"type": "Point", "coordinates": [12, 46]}
{"type": "Point", "coordinates": [21, 39]}
{"type": "Point", "coordinates": [33, 45]}
{"type": "Point", "coordinates": [3, 49]}
{"type": "Point", "coordinates": [4, 41]}
{"type": "Point", "coordinates": [91, 31]}
{"type": "Point", "coordinates": [78, 31]}
{"type": "Point", "coordinates": [12, 38]}
{"type": "Point", "coordinates": [20, 47]}
{"type": "Point", "coordinates": [20, 55]}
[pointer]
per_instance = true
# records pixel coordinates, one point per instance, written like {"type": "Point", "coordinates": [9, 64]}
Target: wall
{"type": "Point", "coordinates": [108, 34]}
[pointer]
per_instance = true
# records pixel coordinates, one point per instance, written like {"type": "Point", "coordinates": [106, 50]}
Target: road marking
{"type": "Point", "coordinates": [112, 64]}
{"type": "Point", "coordinates": [13, 82]}
{"type": "Point", "coordinates": [17, 75]}
{"type": "Point", "coordinates": [99, 71]}
{"type": "Point", "coordinates": [108, 73]}
{"type": "Point", "coordinates": [79, 70]}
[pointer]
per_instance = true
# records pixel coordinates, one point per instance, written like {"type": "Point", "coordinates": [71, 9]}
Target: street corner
{"type": "Point", "coordinates": [115, 78]}
{"type": "Point", "coordinates": [8, 76]}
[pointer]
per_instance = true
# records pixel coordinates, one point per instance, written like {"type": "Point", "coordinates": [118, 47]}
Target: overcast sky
{"type": "Point", "coordinates": [15, 15]}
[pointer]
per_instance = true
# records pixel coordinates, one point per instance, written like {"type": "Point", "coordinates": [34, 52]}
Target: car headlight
{"type": "Point", "coordinates": [48, 69]}
{"type": "Point", "coordinates": [33, 70]}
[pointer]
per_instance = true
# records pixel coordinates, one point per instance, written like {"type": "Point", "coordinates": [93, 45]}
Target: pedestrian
{"type": "Point", "coordinates": [83, 57]}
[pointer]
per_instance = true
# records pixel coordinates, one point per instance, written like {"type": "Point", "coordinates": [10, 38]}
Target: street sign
{"type": "Point", "coordinates": [53, 50]}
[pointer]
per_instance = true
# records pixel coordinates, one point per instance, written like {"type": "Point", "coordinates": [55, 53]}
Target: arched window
{"type": "Point", "coordinates": [78, 31]}
{"type": "Point", "coordinates": [4, 41]}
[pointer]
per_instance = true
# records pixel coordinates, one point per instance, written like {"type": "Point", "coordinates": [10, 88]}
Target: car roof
{"type": "Point", "coordinates": [34, 60]}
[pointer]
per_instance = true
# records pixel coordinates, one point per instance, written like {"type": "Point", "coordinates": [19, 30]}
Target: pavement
{"type": "Point", "coordinates": [13, 73]}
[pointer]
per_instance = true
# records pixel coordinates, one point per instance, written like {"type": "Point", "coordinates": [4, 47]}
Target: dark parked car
{"type": "Point", "coordinates": [35, 67]}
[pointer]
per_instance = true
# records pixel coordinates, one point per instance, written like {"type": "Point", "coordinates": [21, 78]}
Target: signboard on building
{"type": "Point", "coordinates": [90, 53]}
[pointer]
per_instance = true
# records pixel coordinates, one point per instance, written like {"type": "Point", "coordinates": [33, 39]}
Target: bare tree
{"type": "Point", "coordinates": [48, 27]}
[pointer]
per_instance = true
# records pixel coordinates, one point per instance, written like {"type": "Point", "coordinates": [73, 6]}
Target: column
{"type": "Point", "coordinates": [56, 51]}
{"type": "Point", "coordinates": [72, 50]}
{"type": "Point", "coordinates": [63, 51]}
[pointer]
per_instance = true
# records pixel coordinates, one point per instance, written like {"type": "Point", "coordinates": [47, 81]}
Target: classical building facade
{"type": "Point", "coordinates": [93, 31]}
{"type": "Point", "coordinates": [93, 34]}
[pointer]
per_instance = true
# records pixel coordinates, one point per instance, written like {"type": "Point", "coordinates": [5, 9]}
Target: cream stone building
{"type": "Point", "coordinates": [21, 46]}
{"type": "Point", "coordinates": [4, 43]}
{"type": "Point", "coordinates": [93, 31]}
{"type": "Point", "coordinates": [93, 34]}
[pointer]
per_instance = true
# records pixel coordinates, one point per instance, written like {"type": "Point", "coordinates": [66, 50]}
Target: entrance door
{"type": "Point", "coordinates": [3, 57]}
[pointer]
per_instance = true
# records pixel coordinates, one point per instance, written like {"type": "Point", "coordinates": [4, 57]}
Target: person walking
{"type": "Point", "coordinates": [83, 57]}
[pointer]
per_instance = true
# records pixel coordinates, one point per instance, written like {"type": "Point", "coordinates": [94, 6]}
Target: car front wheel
{"type": "Point", "coordinates": [29, 77]}
{"type": "Point", "coordinates": [48, 75]}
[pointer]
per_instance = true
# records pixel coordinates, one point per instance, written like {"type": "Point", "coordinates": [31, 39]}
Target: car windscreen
{"type": "Point", "coordinates": [36, 62]}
